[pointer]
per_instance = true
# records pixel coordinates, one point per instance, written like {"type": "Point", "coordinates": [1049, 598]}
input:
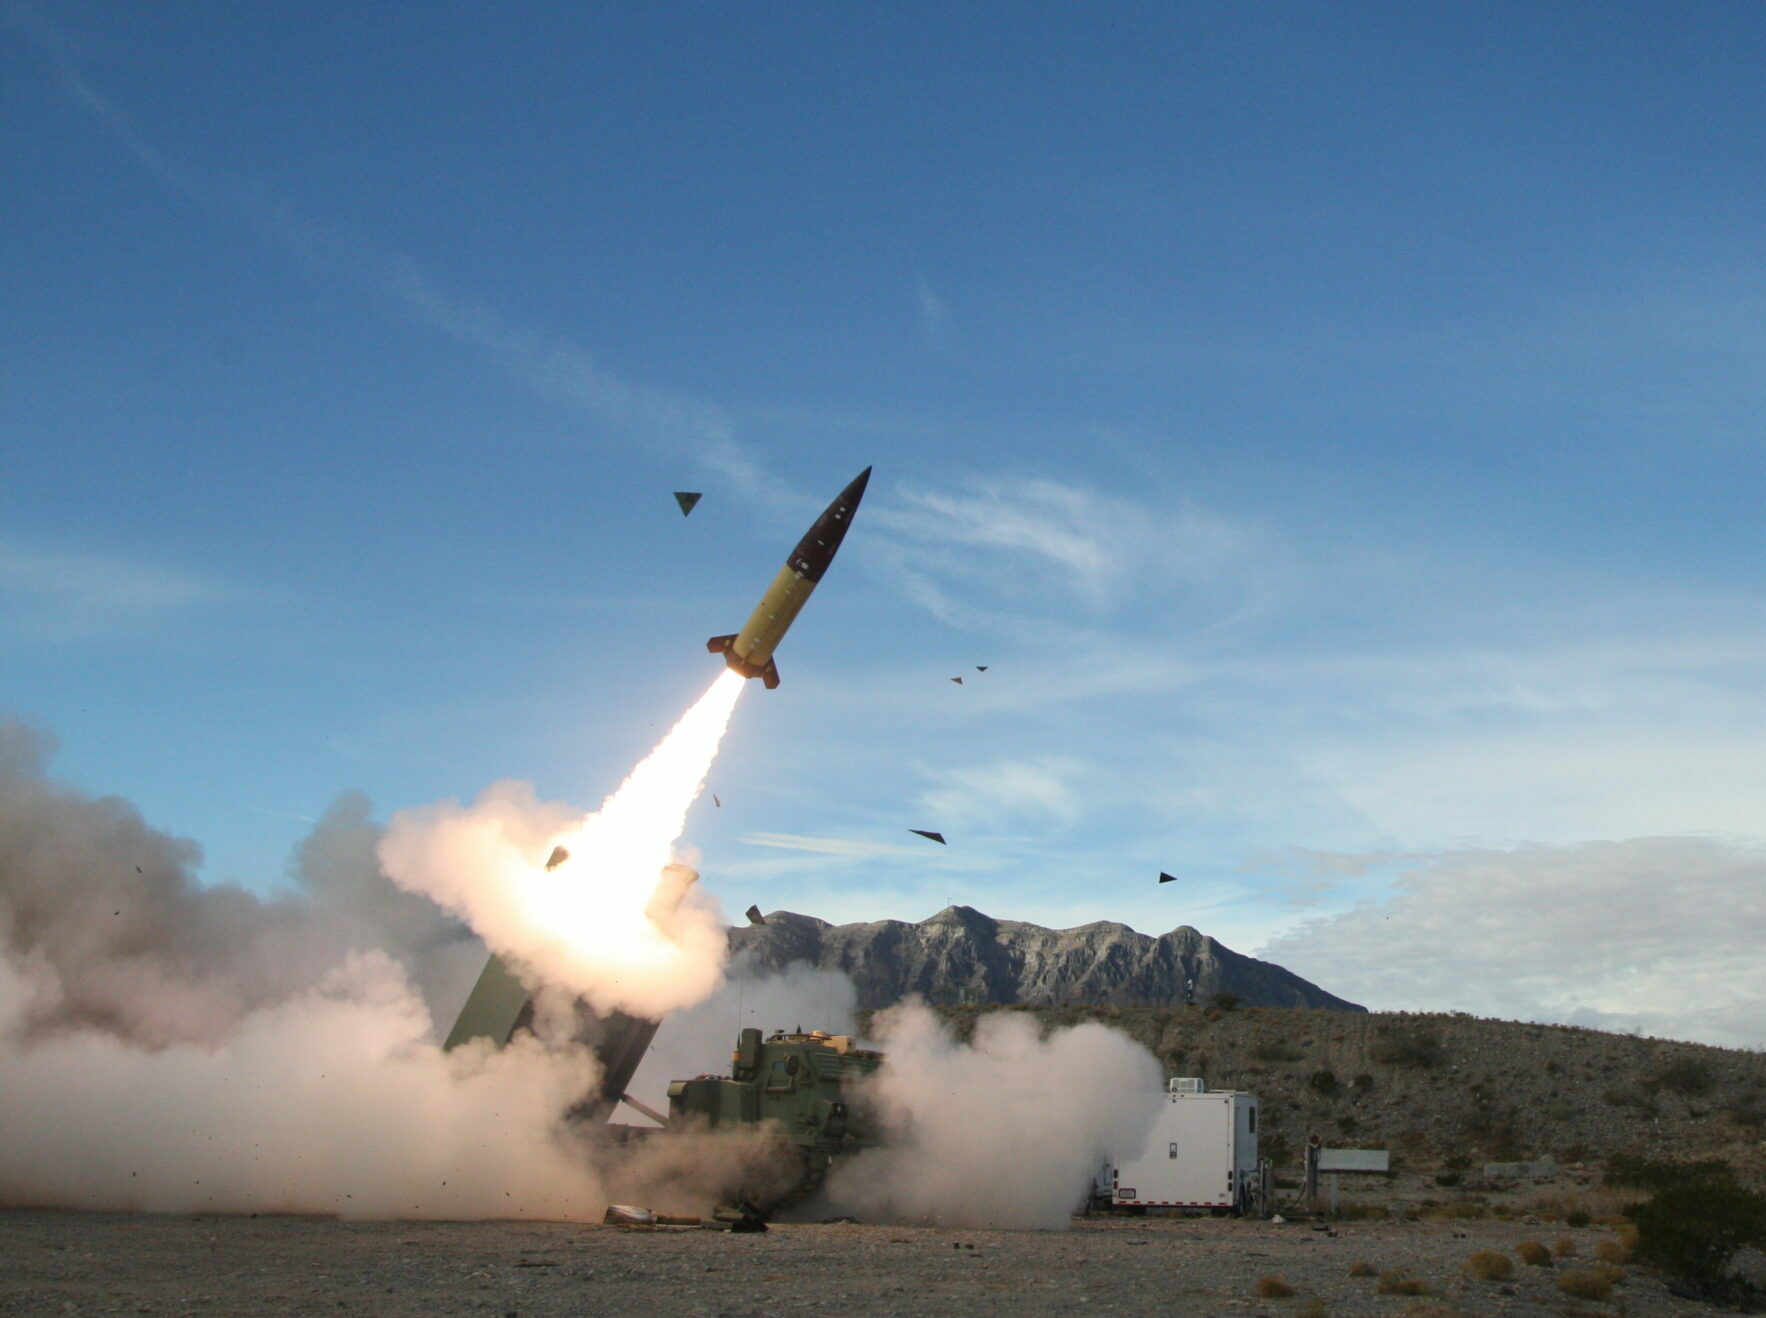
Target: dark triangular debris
{"type": "Point", "coordinates": [980, 668]}
{"type": "Point", "coordinates": [558, 857]}
{"type": "Point", "coordinates": [687, 498]}
{"type": "Point", "coordinates": [1167, 878]}
{"type": "Point", "coordinates": [719, 804]}
{"type": "Point", "coordinates": [936, 837]}
{"type": "Point", "coordinates": [754, 915]}
{"type": "Point", "coordinates": [957, 680]}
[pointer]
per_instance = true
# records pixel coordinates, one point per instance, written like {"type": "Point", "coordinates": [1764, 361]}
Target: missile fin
{"type": "Point", "coordinates": [721, 644]}
{"type": "Point", "coordinates": [770, 675]}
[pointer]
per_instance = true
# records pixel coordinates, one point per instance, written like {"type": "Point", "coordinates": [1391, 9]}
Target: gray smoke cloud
{"type": "Point", "coordinates": [118, 936]}
{"type": "Point", "coordinates": [171, 1047]}
{"type": "Point", "coordinates": [1004, 1131]}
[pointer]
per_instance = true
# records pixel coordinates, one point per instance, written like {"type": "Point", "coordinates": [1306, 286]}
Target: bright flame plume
{"type": "Point", "coordinates": [582, 926]}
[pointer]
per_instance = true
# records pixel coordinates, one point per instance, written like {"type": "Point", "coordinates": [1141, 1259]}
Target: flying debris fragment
{"type": "Point", "coordinates": [750, 651]}
{"type": "Point", "coordinates": [558, 857]}
{"type": "Point", "coordinates": [957, 680]}
{"type": "Point", "coordinates": [1167, 878]}
{"type": "Point", "coordinates": [980, 668]}
{"type": "Point", "coordinates": [754, 915]}
{"type": "Point", "coordinates": [936, 837]}
{"type": "Point", "coordinates": [687, 498]}
{"type": "Point", "coordinates": [719, 804]}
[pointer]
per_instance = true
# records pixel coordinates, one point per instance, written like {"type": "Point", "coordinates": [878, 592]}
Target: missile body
{"type": "Point", "coordinates": [750, 651]}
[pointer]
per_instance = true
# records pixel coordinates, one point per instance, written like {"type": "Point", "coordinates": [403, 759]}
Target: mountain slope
{"type": "Point", "coordinates": [961, 956]}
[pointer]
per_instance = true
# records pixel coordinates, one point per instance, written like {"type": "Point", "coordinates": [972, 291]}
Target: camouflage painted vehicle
{"type": "Point", "coordinates": [799, 1086]}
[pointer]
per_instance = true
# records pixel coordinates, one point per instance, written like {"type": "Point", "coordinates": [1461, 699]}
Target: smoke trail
{"type": "Point", "coordinates": [173, 1047]}
{"type": "Point", "coordinates": [1003, 1132]}
{"type": "Point", "coordinates": [587, 925]}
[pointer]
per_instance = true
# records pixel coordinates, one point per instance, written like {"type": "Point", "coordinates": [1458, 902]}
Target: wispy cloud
{"type": "Point", "coordinates": [935, 318]}
{"type": "Point", "coordinates": [1003, 544]}
{"type": "Point", "coordinates": [553, 367]}
{"type": "Point", "coordinates": [1045, 790]}
{"type": "Point", "coordinates": [59, 593]}
{"type": "Point", "coordinates": [853, 848]}
{"type": "Point", "coordinates": [1660, 934]}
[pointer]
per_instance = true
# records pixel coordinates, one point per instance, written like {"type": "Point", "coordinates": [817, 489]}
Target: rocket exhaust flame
{"type": "Point", "coordinates": [589, 923]}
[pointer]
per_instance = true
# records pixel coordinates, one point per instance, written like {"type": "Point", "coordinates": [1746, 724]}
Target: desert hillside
{"type": "Point", "coordinates": [1444, 1092]}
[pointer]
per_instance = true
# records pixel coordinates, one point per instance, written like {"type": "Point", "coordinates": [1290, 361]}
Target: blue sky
{"type": "Point", "coordinates": [1336, 427]}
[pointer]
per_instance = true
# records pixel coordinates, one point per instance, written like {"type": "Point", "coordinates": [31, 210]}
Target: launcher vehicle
{"type": "Point", "coordinates": [801, 1087]}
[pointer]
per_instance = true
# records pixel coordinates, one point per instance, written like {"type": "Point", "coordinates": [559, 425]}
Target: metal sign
{"type": "Point", "coordinates": [1354, 1160]}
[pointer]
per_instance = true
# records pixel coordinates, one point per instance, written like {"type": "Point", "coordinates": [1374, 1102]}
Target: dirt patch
{"type": "Point", "coordinates": [55, 1263]}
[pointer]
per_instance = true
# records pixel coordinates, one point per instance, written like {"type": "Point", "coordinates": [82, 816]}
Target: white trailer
{"type": "Point", "coordinates": [1200, 1153]}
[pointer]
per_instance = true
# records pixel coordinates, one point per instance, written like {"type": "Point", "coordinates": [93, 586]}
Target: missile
{"type": "Point", "coordinates": [750, 651]}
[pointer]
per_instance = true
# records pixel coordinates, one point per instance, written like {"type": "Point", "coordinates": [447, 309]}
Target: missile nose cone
{"type": "Point", "coordinates": [817, 548]}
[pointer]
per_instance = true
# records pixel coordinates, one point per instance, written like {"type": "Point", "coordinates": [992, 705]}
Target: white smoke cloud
{"type": "Point", "coordinates": [595, 925]}
{"type": "Point", "coordinates": [1003, 1132]}
{"type": "Point", "coordinates": [333, 1101]}
{"type": "Point", "coordinates": [170, 1047]}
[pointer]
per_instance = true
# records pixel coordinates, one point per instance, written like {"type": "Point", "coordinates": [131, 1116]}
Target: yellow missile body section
{"type": "Point", "coordinates": [750, 651]}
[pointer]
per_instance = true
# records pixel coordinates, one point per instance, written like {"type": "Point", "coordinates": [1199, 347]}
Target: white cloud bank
{"type": "Point", "coordinates": [1660, 935]}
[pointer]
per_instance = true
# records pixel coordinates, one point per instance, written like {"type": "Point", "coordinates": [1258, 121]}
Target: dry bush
{"type": "Point", "coordinates": [1362, 1268]}
{"type": "Point", "coordinates": [1611, 1272]}
{"type": "Point", "coordinates": [1313, 1308]}
{"type": "Point", "coordinates": [1580, 1207]}
{"type": "Point", "coordinates": [1585, 1285]}
{"type": "Point", "coordinates": [1396, 1283]}
{"type": "Point", "coordinates": [1488, 1265]}
{"type": "Point", "coordinates": [1533, 1253]}
{"type": "Point", "coordinates": [1564, 1248]}
{"type": "Point", "coordinates": [1272, 1288]}
{"type": "Point", "coordinates": [1611, 1251]}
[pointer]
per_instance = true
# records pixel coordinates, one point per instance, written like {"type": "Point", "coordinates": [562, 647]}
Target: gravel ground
{"type": "Point", "coordinates": [55, 1263]}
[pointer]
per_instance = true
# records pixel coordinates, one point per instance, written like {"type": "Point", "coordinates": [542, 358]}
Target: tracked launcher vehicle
{"type": "Point", "coordinates": [800, 1087]}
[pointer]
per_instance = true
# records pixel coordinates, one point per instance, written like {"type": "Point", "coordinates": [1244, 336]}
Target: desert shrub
{"type": "Point", "coordinates": [1656, 1174]}
{"type": "Point", "coordinates": [1612, 1273]}
{"type": "Point", "coordinates": [1313, 1308]}
{"type": "Point", "coordinates": [1687, 1076]}
{"type": "Point", "coordinates": [1447, 1180]}
{"type": "Point", "coordinates": [1272, 1288]}
{"type": "Point", "coordinates": [1585, 1285]}
{"type": "Point", "coordinates": [1325, 1083]}
{"type": "Point", "coordinates": [1573, 1153]}
{"type": "Point", "coordinates": [1488, 1265]}
{"type": "Point", "coordinates": [1348, 1124]}
{"type": "Point", "coordinates": [1749, 1110]}
{"type": "Point", "coordinates": [1578, 1217]}
{"type": "Point", "coordinates": [1364, 1082]}
{"type": "Point", "coordinates": [1692, 1231]}
{"type": "Point", "coordinates": [1533, 1253]}
{"type": "Point", "coordinates": [1611, 1251]}
{"type": "Point", "coordinates": [1225, 1001]}
{"type": "Point", "coordinates": [1563, 1249]}
{"type": "Point", "coordinates": [1277, 1052]}
{"type": "Point", "coordinates": [1405, 1047]}
{"type": "Point", "coordinates": [1362, 1268]}
{"type": "Point", "coordinates": [1396, 1283]}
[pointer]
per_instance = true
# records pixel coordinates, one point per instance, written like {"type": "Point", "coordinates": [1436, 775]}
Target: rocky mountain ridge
{"type": "Point", "coordinates": [963, 957]}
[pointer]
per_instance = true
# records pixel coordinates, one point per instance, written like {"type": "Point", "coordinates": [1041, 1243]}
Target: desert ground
{"type": "Point", "coordinates": [57, 1262]}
